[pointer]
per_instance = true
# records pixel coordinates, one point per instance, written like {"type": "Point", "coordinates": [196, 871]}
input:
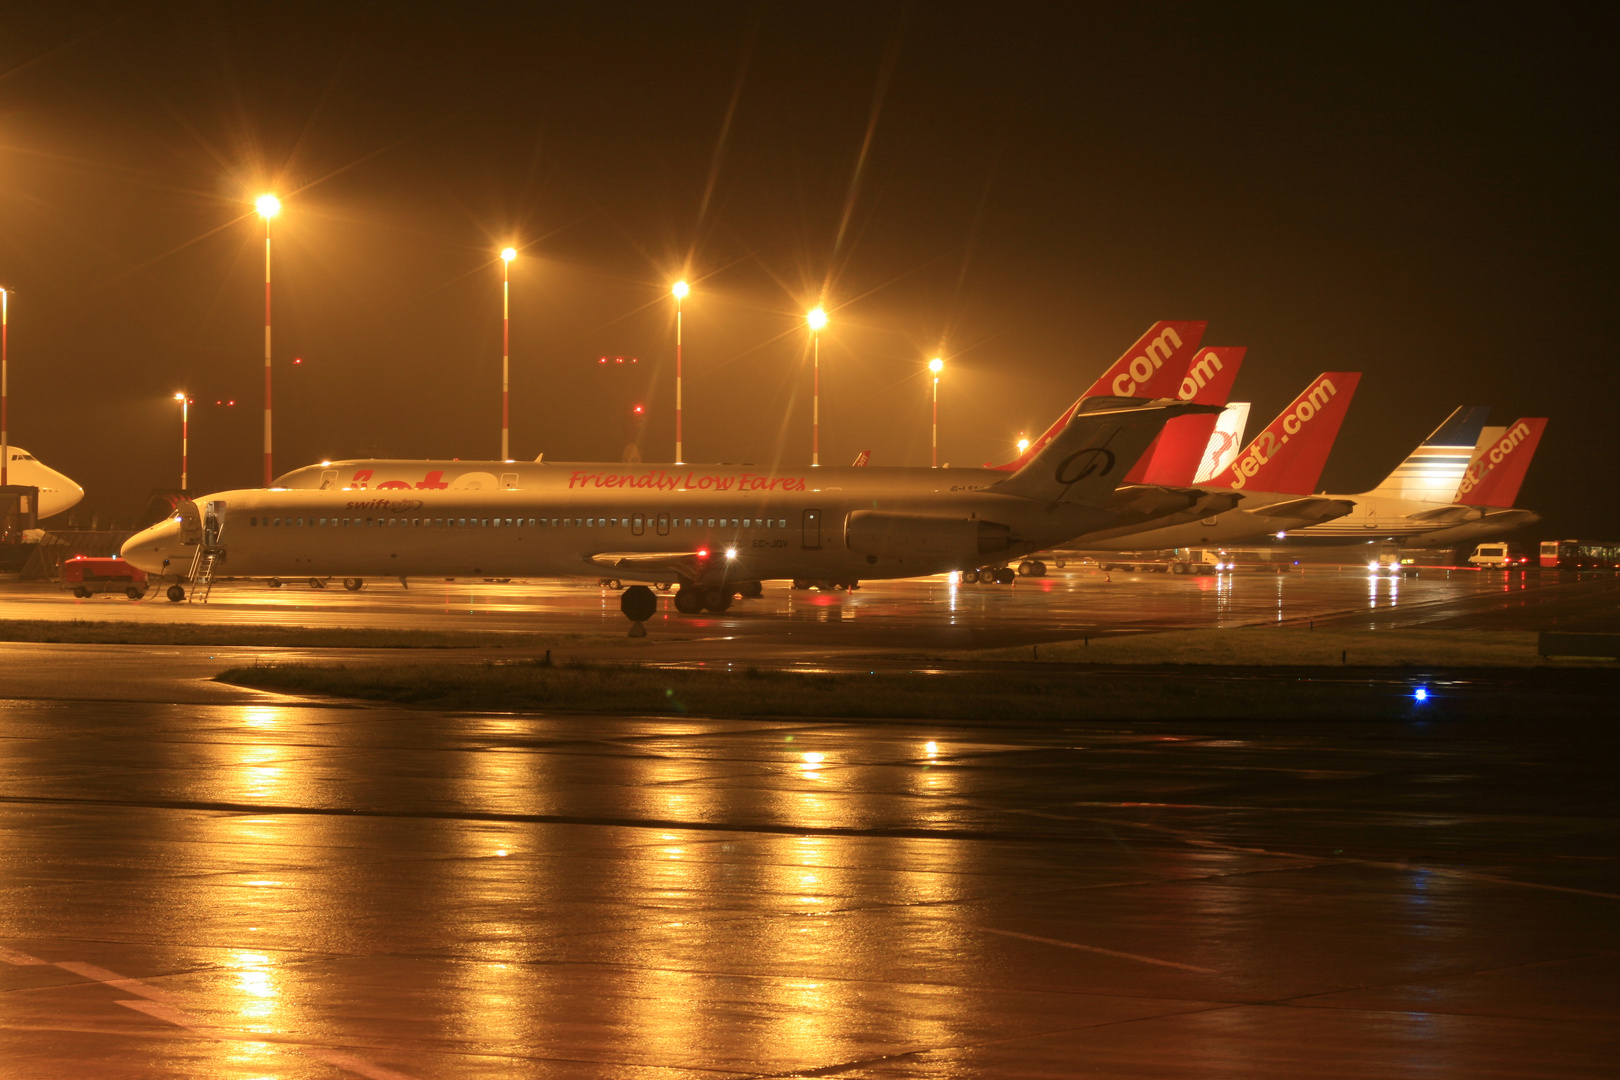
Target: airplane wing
{"type": "Point", "coordinates": [656, 565]}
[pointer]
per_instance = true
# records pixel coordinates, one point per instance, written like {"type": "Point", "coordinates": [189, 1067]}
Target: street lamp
{"type": "Point", "coordinates": [5, 393]}
{"type": "Point", "coordinates": [680, 290]}
{"type": "Point", "coordinates": [185, 425]}
{"type": "Point", "coordinates": [507, 255]}
{"type": "Point", "coordinates": [936, 365]}
{"type": "Point", "coordinates": [1023, 444]}
{"type": "Point", "coordinates": [817, 320]}
{"type": "Point", "coordinates": [268, 206]}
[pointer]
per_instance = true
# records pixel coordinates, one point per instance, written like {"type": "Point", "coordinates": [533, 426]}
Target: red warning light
{"type": "Point", "coordinates": [602, 361]}
{"type": "Point", "coordinates": [638, 410]}
{"type": "Point", "coordinates": [618, 359]}
{"type": "Point", "coordinates": [703, 553]}
{"type": "Point", "coordinates": [298, 359]}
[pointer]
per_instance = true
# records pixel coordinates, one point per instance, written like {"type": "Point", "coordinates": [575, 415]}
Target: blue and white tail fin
{"type": "Point", "coordinates": [1432, 472]}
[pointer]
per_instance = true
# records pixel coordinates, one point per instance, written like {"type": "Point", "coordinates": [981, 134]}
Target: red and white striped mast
{"type": "Point", "coordinates": [268, 206]}
{"type": "Point", "coordinates": [817, 320]}
{"type": "Point", "coordinates": [185, 437]}
{"type": "Point", "coordinates": [5, 390]}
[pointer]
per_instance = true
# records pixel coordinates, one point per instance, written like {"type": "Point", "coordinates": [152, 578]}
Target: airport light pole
{"type": "Point", "coordinates": [817, 319]}
{"type": "Point", "coordinates": [5, 390]}
{"type": "Point", "coordinates": [507, 255]}
{"type": "Point", "coordinates": [680, 290]}
{"type": "Point", "coordinates": [936, 365]}
{"type": "Point", "coordinates": [185, 433]}
{"type": "Point", "coordinates": [268, 206]}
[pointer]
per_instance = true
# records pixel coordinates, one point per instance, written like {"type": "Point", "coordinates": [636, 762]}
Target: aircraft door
{"type": "Point", "coordinates": [191, 528]}
{"type": "Point", "coordinates": [213, 523]}
{"type": "Point", "coordinates": [663, 524]}
{"type": "Point", "coordinates": [812, 529]}
{"type": "Point", "coordinates": [328, 479]}
{"type": "Point", "coordinates": [509, 480]}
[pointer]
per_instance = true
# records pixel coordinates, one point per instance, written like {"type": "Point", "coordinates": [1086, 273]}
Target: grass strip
{"type": "Point", "coordinates": [982, 696]}
{"type": "Point", "coordinates": [1297, 647]}
{"type": "Point", "coordinates": [97, 632]}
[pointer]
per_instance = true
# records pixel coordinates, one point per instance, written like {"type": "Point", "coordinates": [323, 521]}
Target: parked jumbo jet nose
{"type": "Point", "coordinates": [158, 549]}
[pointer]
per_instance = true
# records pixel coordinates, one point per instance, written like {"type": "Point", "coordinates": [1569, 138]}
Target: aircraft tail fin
{"type": "Point", "coordinates": [1432, 472]}
{"type": "Point", "coordinates": [1172, 460]}
{"type": "Point", "coordinates": [1087, 460]}
{"type": "Point", "coordinates": [862, 458]}
{"type": "Point", "coordinates": [1224, 442]}
{"type": "Point", "coordinates": [1287, 457]}
{"type": "Point", "coordinates": [1154, 367]}
{"type": "Point", "coordinates": [1497, 473]}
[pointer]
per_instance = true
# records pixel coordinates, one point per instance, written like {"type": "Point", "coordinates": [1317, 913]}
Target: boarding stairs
{"type": "Point", "coordinates": [202, 573]}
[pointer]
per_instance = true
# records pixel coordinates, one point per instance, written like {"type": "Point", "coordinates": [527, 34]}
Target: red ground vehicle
{"type": "Point", "coordinates": [87, 576]}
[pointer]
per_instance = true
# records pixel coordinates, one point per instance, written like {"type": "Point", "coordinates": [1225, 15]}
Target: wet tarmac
{"type": "Point", "coordinates": [929, 613]}
{"type": "Point", "coordinates": [287, 890]}
{"type": "Point", "coordinates": [199, 880]}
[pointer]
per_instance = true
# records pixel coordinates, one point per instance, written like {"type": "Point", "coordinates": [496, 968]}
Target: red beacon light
{"type": "Point", "coordinates": [298, 359]}
{"type": "Point", "coordinates": [703, 553]}
{"type": "Point", "coordinates": [638, 410]}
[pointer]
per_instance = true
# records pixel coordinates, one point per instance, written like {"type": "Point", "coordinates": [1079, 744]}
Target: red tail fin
{"type": "Point", "coordinates": [1494, 477]}
{"type": "Point", "coordinates": [1287, 457]}
{"type": "Point", "coordinates": [1173, 458]}
{"type": "Point", "coordinates": [862, 458]}
{"type": "Point", "coordinates": [1154, 367]}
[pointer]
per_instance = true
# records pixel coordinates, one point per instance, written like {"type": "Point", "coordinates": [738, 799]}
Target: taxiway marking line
{"type": "Point", "coordinates": [159, 1004]}
{"type": "Point", "coordinates": [1098, 949]}
{"type": "Point", "coordinates": [122, 982]}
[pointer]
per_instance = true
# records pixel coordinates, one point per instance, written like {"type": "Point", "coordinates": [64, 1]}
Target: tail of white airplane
{"type": "Point", "coordinates": [1154, 367]}
{"type": "Point", "coordinates": [1287, 457]}
{"type": "Point", "coordinates": [1085, 462]}
{"type": "Point", "coordinates": [1224, 442]}
{"type": "Point", "coordinates": [1494, 477]}
{"type": "Point", "coordinates": [1432, 472]}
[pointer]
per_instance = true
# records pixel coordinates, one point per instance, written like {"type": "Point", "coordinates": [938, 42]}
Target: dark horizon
{"type": "Point", "coordinates": [1410, 194]}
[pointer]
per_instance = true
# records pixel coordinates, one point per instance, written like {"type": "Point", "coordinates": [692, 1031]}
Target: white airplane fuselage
{"type": "Point", "coordinates": [56, 492]}
{"type": "Point", "coordinates": [631, 522]}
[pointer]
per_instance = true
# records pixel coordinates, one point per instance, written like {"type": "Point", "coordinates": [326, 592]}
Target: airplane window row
{"type": "Point", "coordinates": [584, 523]}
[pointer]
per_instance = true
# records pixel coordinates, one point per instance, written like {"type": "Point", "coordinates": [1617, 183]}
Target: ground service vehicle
{"type": "Point", "coordinates": [1580, 554]}
{"type": "Point", "coordinates": [87, 576]}
{"type": "Point", "coordinates": [1498, 555]}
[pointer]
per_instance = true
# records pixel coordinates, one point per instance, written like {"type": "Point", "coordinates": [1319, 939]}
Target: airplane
{"type": "Point", "coordinates": [1432, 499]}
{"type": "Point", "coordinates": [56, 492]}
{"type": "Point", "coordinates": [718, 530]}
{"type": "Point", "coordinates": [1273, 477]}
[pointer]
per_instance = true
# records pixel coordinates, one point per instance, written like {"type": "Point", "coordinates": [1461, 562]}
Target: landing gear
{"type": "Point", "coordinates": [717, 599]}
{"type": "Point", "coordinates": [751, 590]}
{"type": "Point", "coordinates": [354, 584]}
{"type": "Point", "coordinates": [662, 586]}
{"type": "Point", "coordinates": [1004, 575]}
{"type": "Point", "coordinates": [316, 583]}
{"type": "Point", "coordinates": [970, 577]}
{"type": "Point", "coordinates": [175, 594]}
{"type": "Point", "coordinates": [609, 583]}
{"type": "Point", "coordinates": [274, 583]}
{"type": "Point", "coordinates": [1032, 568]}
{"type": "Point", "coordinates": [688, 600]}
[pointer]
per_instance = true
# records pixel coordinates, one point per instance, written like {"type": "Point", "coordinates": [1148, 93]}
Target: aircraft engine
{"type": "Point", "coordinates": [900, 536]}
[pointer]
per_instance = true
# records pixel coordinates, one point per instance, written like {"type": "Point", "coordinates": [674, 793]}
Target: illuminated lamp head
{"type": "Point", "coordinates": [731, 553]}
{"type": "Point", "coordinates": [268, 206]}
{"type": "Point", "coordinates": [508, 254]}
{"type": "Point", "coordinates": [680, 290]}
{"type": "Point", "coordinates": [817, 318]}
{"type": "Point", "coordinates": [936, 365]}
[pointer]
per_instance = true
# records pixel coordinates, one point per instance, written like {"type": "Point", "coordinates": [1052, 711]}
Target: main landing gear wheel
{"type": "Point", "coordinates": [751, 590]}
{"type": "Point", "coordinates": [354, 584]}
{"type": "Point", "coordinates": [717, 600]}
{"type": "Point", "coordinates": [662, 586]}
{"type": "Point", "coordinates": [1005, 576]}
{"type": "Point", "coordinates": [274, 583]}
{"type": "Point", "coordinates": [1040, 569]}
{"type": "Point", "coordinates": [688, 601]}
{"type": "Point", "coordinates": [316, 583]}
{"type": "Point", "coordinates": [176, 594]}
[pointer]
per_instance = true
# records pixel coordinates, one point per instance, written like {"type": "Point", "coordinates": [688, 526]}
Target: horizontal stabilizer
{"type": "Point", "coordinates": [1496, 475]}
{"type": "Point", "coordinates": [1088, 459]}
{"type": "Point", "coordinates": [1299, 513]}
{"type": "Point", "coordinates": [1287, 457]}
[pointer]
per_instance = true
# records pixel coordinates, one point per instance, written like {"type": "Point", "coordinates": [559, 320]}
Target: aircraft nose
{"type": "Point", "coordinates": [156, 549]}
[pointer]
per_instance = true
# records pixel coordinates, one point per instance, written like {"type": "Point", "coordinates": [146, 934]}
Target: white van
{"type": "Point", "coordinates": [1490, 555]}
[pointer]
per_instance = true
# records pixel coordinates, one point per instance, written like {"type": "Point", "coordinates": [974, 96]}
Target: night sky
{"type": "Point", "coordinates": [1424, 193]}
